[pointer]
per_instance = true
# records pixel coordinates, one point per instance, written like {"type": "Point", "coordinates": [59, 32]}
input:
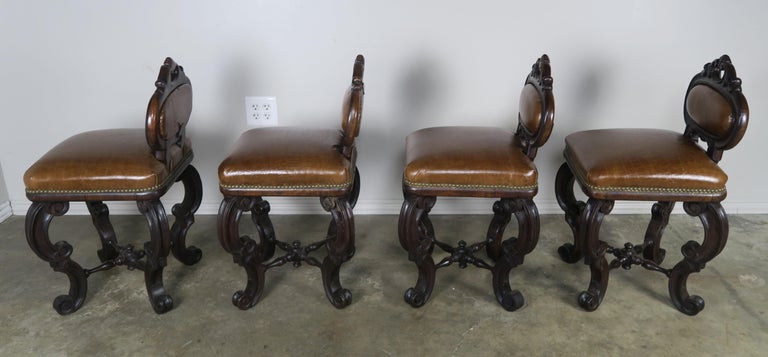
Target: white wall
{"type": "Point", "coordinates": [71, 66]}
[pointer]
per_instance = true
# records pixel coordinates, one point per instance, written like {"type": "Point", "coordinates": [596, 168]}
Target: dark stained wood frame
{"type": "Point", "coordinates": [152, 258]}
{"type": "Point", "coordinates": [417, 235]}
{"type": "Point", "coordinates": [256, 257]}
{"type": "Point", "coordinates": [585, 218]}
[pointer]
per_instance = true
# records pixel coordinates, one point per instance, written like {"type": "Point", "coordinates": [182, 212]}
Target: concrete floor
{"type": "Point", "coordinates": [462, 317]}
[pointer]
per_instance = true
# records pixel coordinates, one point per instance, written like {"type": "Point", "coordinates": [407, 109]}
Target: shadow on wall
{"type": "Point", "coordinates": [585, 90]}
{"type": "Point", "coordinates": [212, 143]}
{"type": "Point", "coordinates": [379, 172]}
{"type": "Point", "coordinates": [418, 91]}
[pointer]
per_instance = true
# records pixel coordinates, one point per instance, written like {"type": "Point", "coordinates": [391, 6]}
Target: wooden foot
{"type": "Point", "coordinates": [340, 244]}
{"type": "Point", "coordinates": [594, 250]}
{"type": "Point", "coordinates": [185, 216]}
{"type": "Point", "coordinates": [695, 255]}
{"type": "Point", "coordinates": [245, 251]}
{"type": "Point", "coordinates": [564, 182]}
{"type": "Point", "coordinates": [513, 249]}
{"type": "Point", "coordinates": [156, 250]}
{"type": "Point", "coordinates": [417, 237]}
{"type": "Point", "coordinates": [38, 219]}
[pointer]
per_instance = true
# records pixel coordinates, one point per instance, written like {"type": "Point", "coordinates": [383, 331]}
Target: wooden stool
{"type": "Point", "coordinates": [478, 162]}
{"type": "Point", "coordinates": [290, 161]}
{"type": "Point", "coordinates": [655, 165]}
{"type": "Point", "coordinates": [121, 165]}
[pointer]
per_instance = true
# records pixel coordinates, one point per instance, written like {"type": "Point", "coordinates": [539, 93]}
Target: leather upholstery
{"type": "Point", "coordinates": [114, 161]}
{"type": "Point", "coordinates": [530, 108]}
{"type": "Point", "coordinates": [643, 164]}
{"type": "Point", "coordinates": [351, 115]}
{"type": "Point", "coordinates": [287, 161]}
{"type": "Point", "coordinates": [468, 162]}
{"type": "Point", "coordinates": [709, 110]}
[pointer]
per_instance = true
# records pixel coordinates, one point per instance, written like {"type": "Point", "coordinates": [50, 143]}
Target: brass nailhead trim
{"type": "Point", "coordinates": [580, 176]}
{"type": "Point", "coordinates": [290, 187]}
{"type": "Point", "coordinates": [96, 191]}
{"type": "Point", "coordinates": [448, 185]}
{"type": "Point", "coordinates": [655, 189]}
{"type": "Point", "coordinates": [106, 190]}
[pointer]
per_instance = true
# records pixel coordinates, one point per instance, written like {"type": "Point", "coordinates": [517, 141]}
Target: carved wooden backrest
{"type": "Point", "coordinates": [352, 107]}
{"type": "Point", "coordinates": [168, 112]}
{"type": "Point", "coordinates": [715, 109]}
{"type": "Point", "coordinates": [537, 108]}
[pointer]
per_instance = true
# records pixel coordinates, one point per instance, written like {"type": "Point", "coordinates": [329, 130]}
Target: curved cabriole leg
{"type": "Point", "coordinates": [185, 216]}
{"type": "Point", "coordinates": [38, 219]}
{"type": "Point", "coordinates": [157, 250]}
{"type": "Point", "coordinates": [594, 248]}
{"type": "Point", "coordinates": [515, 249]}
{"type": "Point", "coordinates": [341, 247]}
{"type": "Point", "coordinates": [652, 242]}
{"type": "Point", "coordinates": [695, 255]}
{"type": "Point", "coordinates": [564, 181]}
{"type": "Point", "coordinates": [245, 251]}
{"type": "Point", "coordinates": [260, 218]}
{"type": "Point", "coordinates": [100, 216]}
{"type": "Point", "coordinates": [502, 214]}
{"type": "Point", "coordinates": [352, 199]}
{"type": "Point", "coordinates": [417, 237]}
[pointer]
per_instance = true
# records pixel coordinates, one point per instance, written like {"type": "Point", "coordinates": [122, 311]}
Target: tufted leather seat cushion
{"type": "Point", "coordinates": [287, 161]}
{"type": "Point", "coordinates": [114, 161]}
{"type": "Point", "coordinates": [643, 164]}
{"type": "Point", "coordinates": [468, 162]}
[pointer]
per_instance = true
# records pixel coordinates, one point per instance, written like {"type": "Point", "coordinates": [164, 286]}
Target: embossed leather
{"type": "Point", "coordinates": [101, 161]}
{"type": "Point", "coordinates": [468, 162]}
{"type": "Point", "coordinates": [643, 164]}
{"type": "Point", "coordinates": [287, 161]}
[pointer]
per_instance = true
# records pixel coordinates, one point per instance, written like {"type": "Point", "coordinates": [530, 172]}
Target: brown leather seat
{"type": "Point", "coordinates": [643, 164]}
{"type": "Point", "coordinates": [118, 165]}
{"type": "Point", "coordinates": [478, 162]}
{"type": "Point", "coordinates": [468, 162]}
{"type": "Point", "coordinates": [291, 161]}
{"type": "Point", "coordinates": [655, 165]}
{"type": "Point", "coordinates": [109, 162]}
{"type": "Point", "coordinates": [287, 161]}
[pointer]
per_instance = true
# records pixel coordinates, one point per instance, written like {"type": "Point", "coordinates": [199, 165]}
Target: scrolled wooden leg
{"type": "Point", "coordinates": [514, 250]}
{"type": "Point", "coordinates": [156, 250]}
{"type": "Point", "coordinates": [38, 220]}
{"type": "Point", "coordinates": [185, 216]}
{"type": "Point", "coordinates": [594, 248]}
{"type": "Point", "coordinates": [659, 220]}
{"type": "Point", "coordinates": [564, 184]}
{"type": "Point", "coordinates": [245, 251]}
{"type": "Point", "coordinates": [502, 214]}
{"type": "Point", "coordinates": [341, 247]}
{"type": "Point", "coordinates": [695, 255]}
{"type": "Point", "coordinates": [416, 236]}
{"type": "Point", "coordinates": [100, 216]}
{"type": "Point", "coordinates": [265, 229]}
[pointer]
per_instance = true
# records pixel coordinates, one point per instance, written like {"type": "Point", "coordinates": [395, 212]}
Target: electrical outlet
{"type": "Point", "coordinates": [261, 111]}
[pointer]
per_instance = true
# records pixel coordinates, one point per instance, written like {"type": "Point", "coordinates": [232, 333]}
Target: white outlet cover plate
{"type": "Point", "coordinates": [261, 111]}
